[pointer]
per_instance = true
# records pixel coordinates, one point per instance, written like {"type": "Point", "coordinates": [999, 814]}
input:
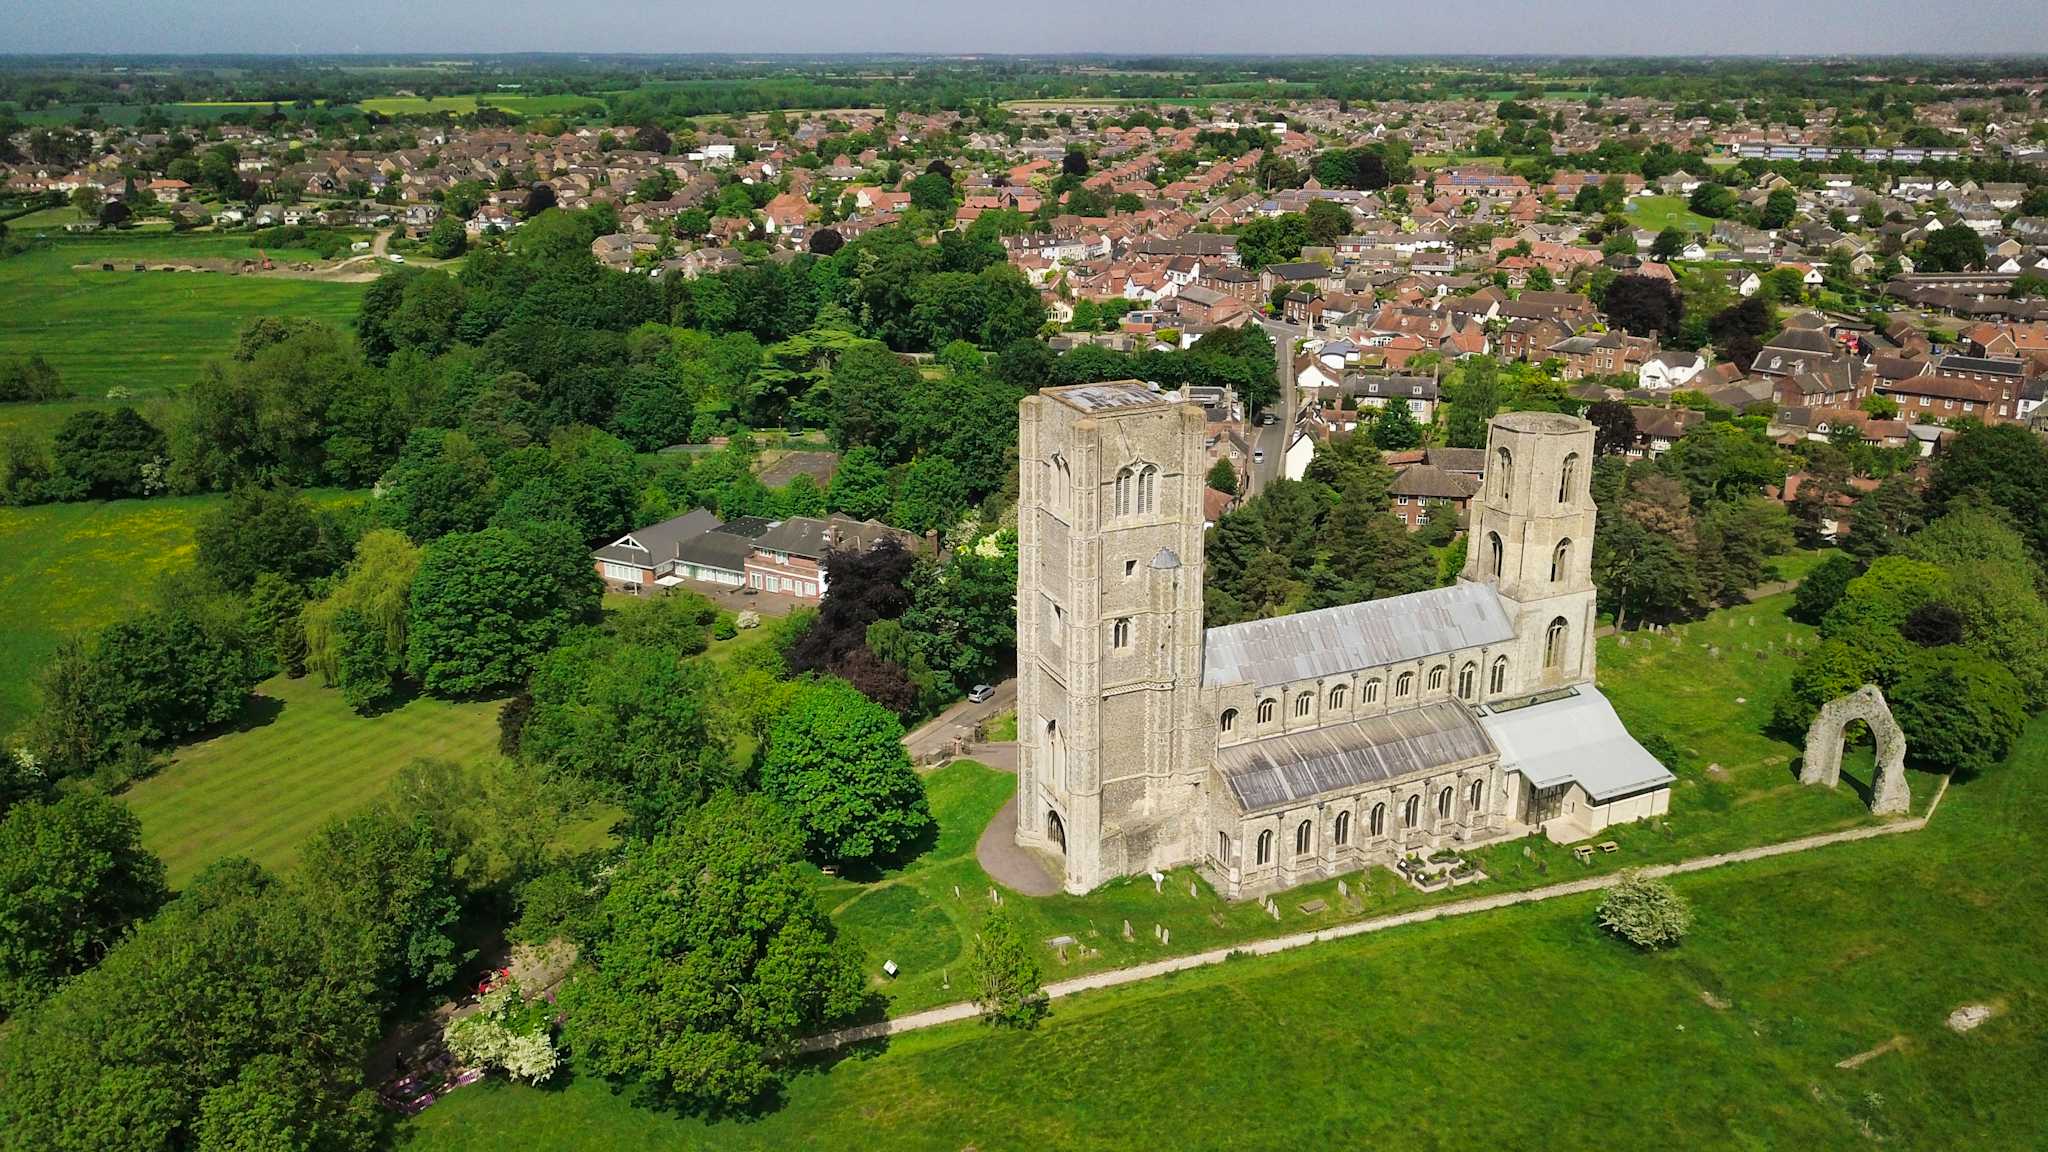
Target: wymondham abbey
{"type": "Point", "coordinates": [1274, 752]}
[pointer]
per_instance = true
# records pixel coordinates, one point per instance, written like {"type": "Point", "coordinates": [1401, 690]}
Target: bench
{"type": "Point", "coordinates": [1583, 853]}
{"type": "Point", "coordinates": [1609, 846]}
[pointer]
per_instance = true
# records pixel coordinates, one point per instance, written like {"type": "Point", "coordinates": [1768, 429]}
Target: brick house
{"type": "Point", "coordinates": [1422, 492]}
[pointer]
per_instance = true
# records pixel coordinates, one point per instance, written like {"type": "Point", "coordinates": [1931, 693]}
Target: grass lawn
{"type": "Point", "coordinates": [144, 331]}
{"type": "Point", "coordinates": [67, 568]}
{"type": "Point", "coordinates": [1522, 1028]}
{"type": "Point", "coordinates": [300, 757]}
{"type": "Point", "coordinates": [53, 218]}
{"type": "Point", "coordinates": [1657, 213]}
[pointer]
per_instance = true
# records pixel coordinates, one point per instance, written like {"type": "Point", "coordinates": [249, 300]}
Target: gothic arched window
{"type": "Point", "coordinates": [1443, 803]}
{"type": "Point", "coordinates": [1411, 814]}
{"type": "Point", "coordinates": [1504, 472]}
{"type": "Point", "coordinates": [1148, 484]}
{"type": "Point", "coordinates": [1561, 561]}
{"type": "Point", "coordinates": [1341, 834]}
{"type": "Point", "coordinates": [1338, 695]}
{"type": "Point", "coordinates": [1404, 684]}
{"type": "Point", "coordinates": [1478, 794]}
{"type": "Point", "coordinates": [1436, 678]}
{"type": "Point", "coordinates": [1229, 719]}
{"type": "Point", "coordinates": [1377, 823]}
{"type": "Point", "coordinates": [1568, 478]}
{"type": "Point", "coordinates": [1468, 678]}
{"type": "Point", "coordinates": [1126, 482]}
{"type": "Point", "coordinates": [1120, 633]}
{"type": "Point", "coordinates": [1496, 554]}
{"type": "Point", "coordinates": [1265, 711]}
{"type": "Point", "coordinates": [1304, 838]}
{"type": "Point", "coordinates": [1499, 680]}
{"type": "Point", "coordinates": [1265, 854]}
{"type": "Point", "coordinates": [1553, 642]}
{"type": "Point", "coordinates": [1303, 703]}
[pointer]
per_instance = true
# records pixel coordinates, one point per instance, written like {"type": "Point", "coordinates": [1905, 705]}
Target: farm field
{"type": "Point", "coordinates": [300, 757]}
{"type": "Point", "coordinates": [145, 331]}
{"type": "Point", "coordinates": [524, 105]}
{"type": "Point", "coordinates": [1454, 1033]}
{"type": "Point", "coordinates": [1657, 213]}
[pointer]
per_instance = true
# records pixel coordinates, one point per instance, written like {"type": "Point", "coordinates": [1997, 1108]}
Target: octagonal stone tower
{"type": "Point", "coordinates": [1532, 539]}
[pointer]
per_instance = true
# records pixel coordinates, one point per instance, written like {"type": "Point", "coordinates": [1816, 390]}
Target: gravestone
{"type": "Point", "coordinates": [1127, 931]}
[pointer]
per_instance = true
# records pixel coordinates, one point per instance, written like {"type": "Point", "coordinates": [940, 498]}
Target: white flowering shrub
{"type": "Point", "coordinates": [509, 1032]}
{"type": "Point", "coordinates": [1647, 913]}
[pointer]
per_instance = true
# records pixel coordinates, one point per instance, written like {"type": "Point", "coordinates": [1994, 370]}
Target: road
{"type": "Point", "coordinates": [1269, 444]}
{"type": "Point", "coordinates": [937, 735]}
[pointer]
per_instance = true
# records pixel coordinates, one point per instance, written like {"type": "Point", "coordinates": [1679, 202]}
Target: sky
{"type": "Point", "coordinates": [1643, 27]}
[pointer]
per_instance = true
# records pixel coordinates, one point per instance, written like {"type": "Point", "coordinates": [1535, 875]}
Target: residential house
{"type": "Point", "coordinates": [1422, 492]}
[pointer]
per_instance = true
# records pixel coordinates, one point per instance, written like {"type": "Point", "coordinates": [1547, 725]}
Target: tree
{"type": "Point", "coordinates": [539, 198]}
{"type": "Point", "coordinates": [1738, 330]}
{"type": "Point", "coordinates": [1074, 163]}
{"type": "Point", "coordinates": [932, 495]}
{"type": "Point", "coordinates": [2008, 466]}
{"type": "Point", "coordinates": [1668, 244]}
{"type": "Point", "coordinates": [442, 483]}
{"type": "Point", "coordinates": [697, 992]}
{"type": "Point", "coordinates": [355, 637]}
{"type": "Point", "coordinates": [1614, 427]}
{"type": "Point", "coordinates": [1818, 593]}
{"type": "Point", "coordinates": [1960, 711]}
{"type": "Point", "coordinates": [860, 488]}
{"type": "Point", "coordinates": [237, 1014]}
{"type": "Point", "coordinates": [507, 1031]}
{"type": "Point", "coordinates": [1642, 572]}
{"type": "Point", "coordinates": [1883, 517]}
{"type": "Point", "coordinates": [1327, 220]}
{"type": "Point", "coordinates": [1642, 305]}
{"type": "Point", "coordinates": [1395, 429]}
{"type": "Point", "coordinates": [933, 193]}
{"type": "Point", "coordinates": [825, 241]}
{"type": "Point", "coordinates": [447, 239]}
{"type": "Point", "coordinates": [99, 455]}
{"type": "Point", "coordinates": [1647, 913]}
{"type": "Point", "coordinates": [1779, 208]}
{"type": "Point", "coordinates": [1004, 973]}
{"type": "Point", "coordinates": [1474, 393]}
{"type": "Point", "coordinates": [1222, 477]}
{"type": "Point", "coordinates": [73, 876]}
{"type": "Point", "coordinates": [389, 876]}
{"type": "Point", "coordinates": [1956, 248]}
{"type": "Point", "coordinates": [262, 530]}
{"type": "Point", "coordinates": [485, 605]}
{"type": "Point", "coordinates": [273, 623]}
{"type": "Point", "coordinates": [1712, 200]}
{"type": "Point", "coordinates": [836, 763]}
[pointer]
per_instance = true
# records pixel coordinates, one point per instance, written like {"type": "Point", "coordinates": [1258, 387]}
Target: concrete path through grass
{"type": "Point", "coordinates": [950, 1013]}
{"type": "Point", "coordinates": [1009, 863]}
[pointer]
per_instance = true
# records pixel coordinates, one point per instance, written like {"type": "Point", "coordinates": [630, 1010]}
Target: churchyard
{"type": "Point", "coordinates": [1478, 1030]}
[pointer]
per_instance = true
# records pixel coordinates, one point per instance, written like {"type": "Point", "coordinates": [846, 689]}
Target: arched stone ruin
{"type": "Point", "coordinates": [1823, 761]}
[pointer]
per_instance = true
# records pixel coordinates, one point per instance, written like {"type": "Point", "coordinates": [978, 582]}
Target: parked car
{"type": "Point", "coordinates": [1267, 419]}
{"type": "Point", "coordinates": [980, 693]}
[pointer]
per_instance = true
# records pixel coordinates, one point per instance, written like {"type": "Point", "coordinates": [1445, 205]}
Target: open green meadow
{"type": "Point", "coordinates": [72, 567]}
{"type": "Point", "coordinates": [1657, 213]}
{"type": "Point", "coordinates": [299, 757]}
{"type": "Point", "coordinates": [69, 568]}
{"type": "Point", "coordinates": [145, 331]}
{"type": "Point", "coordinates": [1525, 1028]}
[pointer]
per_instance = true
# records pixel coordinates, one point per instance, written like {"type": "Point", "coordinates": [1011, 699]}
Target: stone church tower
{"type": "Point", "coordinates": [1109, 628]}
{"type": "Point", "coordinates": [1531, 536]}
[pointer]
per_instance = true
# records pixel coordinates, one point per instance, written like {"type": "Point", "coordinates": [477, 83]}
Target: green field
{"type": "Point", "coordinates": [67, 568]}
{"type": "Point", "coordinates": [145, 331]}
{"type": "Point", "coordinates": [301, 757]}
{"type": "Point", "coordinates": [1522, 1028]}
{"type": "Point", "coordinates": [558, 105]}
{"type": "Point", "coordinates": [1657, 213]}
{"type": "Point", "coordinates": [72, 567]}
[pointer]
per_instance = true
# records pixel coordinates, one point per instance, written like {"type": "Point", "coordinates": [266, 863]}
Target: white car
{"type": "Point", "coordinates": [980, 694]}
{"type": "Point", "coordinates": [395, 258]}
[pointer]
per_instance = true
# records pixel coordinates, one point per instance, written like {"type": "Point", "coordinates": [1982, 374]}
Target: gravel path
{"type": "Point", "coordinates": [1014, 867]}
{"type": "Point", "coordinates": [947, 1014]}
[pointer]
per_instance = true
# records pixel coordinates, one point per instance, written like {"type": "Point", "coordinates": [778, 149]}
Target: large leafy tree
{"type": "Point", "coordinates": [836, 762]}
{"type": "Point", "coordinates": [485, 605]}
{"type": "Point", "coordinates": [233, 983]}
{"type": "Point", "coordinates": [102, 455]}
{"type": "Point", "coordinates": [712, 958]}
{"type": "Point", "coordinates": [73, 877]}
{"type": "Point", "coordinates": [365, 656]}
{"type": "Point", "coordinates": [2008, 466]}
{"type": "Point", "coordinates": [261, 530]}
{"type": "Point", "coordinates": [1959, 711]}
{"type": "Point", "coordinates": [1642, 305]}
